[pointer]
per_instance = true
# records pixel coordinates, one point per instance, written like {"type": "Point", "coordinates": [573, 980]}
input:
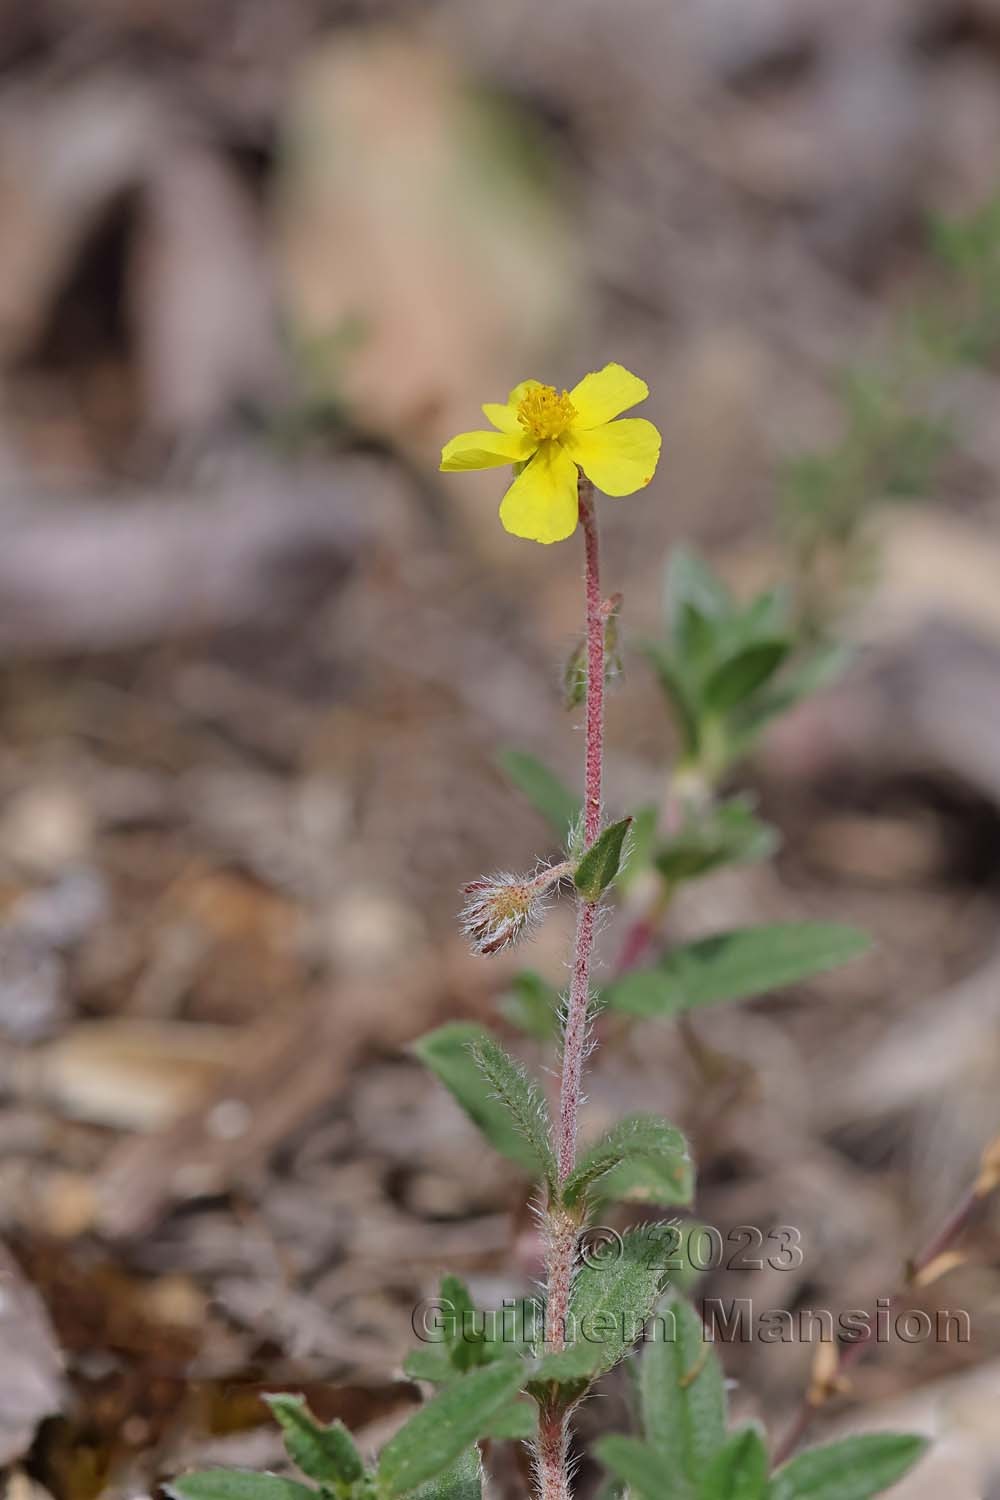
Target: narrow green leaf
{"type": "Point", "coordinates": [431, 1362]}
{"type": "Point", "coordinates": [437, 1434]}
{"type": "Point", "coordinates": [736, 965]}
{"type": "Point", "coordinates": [236, 1484]}
{"type": "Point", "coordinates": [532, 1005]}
{"type": "Point", "coordinates": [448, 1053]}
{"type": "Point", "coordinates": [682, 1392]}
{"type": "Point", "coordinates": [518, 1421]}
{"type": "Point", "coordinates": [463, 1481]}
{"type": "Point", "coordinates": [768, 615]}
{"type": "Point", "coordinates": [611, 1300]}
{"type": "Point", "coordinates": [575, 676]}
{"type": "Point", "coordinates": [853, 1469]}
{"type": "Point", "coordinates": [647, 1179]}
{"type": "Point", "coordinates": [326, 1454]}
{"type": "Point", "coordinates": [465, 1342]}
{"type": "Point", "coordinates": [599, 866]}
{"type": "Point", "coordinates": [690, 581]}
{"type": "Point", "coordinates": [546, 792]}
{"type": "Point", "coordinates": [738, 1471]}
{"type": "Point", "coordinates": [635, 1140]}
{"type": "Point", "coordinates": [639, 1466]}
{"type": "Point", "coordinates": [679, 690]}
{"type": "Point", "coordinates": [522, 1099]}
{"type": "Point", "coordinates": [724, 833]}
{"type": "Point", "coordinates": [738, 678]}
{"type": "Point", "coordinates": [798, 681]}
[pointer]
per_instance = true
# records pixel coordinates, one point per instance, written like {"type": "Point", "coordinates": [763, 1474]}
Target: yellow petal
{"type": "Point", "coordinates": [602, 394]}
{"type": "Point", "coordinates": [543, 503]}
{"type": "Point", "coordinates": [503, 417]}
{"type": "Point", "coordinates": [485, 450]}
{"type": "Point", "coordinates": [620, 457]}
{"type": "Point", "coordinates": [504, 414]}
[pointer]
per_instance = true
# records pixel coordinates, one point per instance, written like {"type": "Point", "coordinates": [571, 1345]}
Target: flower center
{"type": "Point", "coordinates": [543, 413]}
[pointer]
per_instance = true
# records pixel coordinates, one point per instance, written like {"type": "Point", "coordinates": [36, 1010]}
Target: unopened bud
{"type": "Point", "coordinates": [499, 908]}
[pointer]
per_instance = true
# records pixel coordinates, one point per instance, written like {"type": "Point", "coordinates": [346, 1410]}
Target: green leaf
{"type": "Point", "coordinates": [690, 581]}
{"type": "Point", "coordinates": [575, 677]}
{"type": "Point", "coordinates": [236, 1484]}
{"type": "Point", "coordinates": [680, 691]}
{"type": "Point", "coordinates": [639, 1466]}
{"type": "Point", "coordinates": [532, 1005]}
{"type": "Point", "coordinates": [518, 1421]}
{"type": "Point", "coordinates": [723, 833]}
{"type": "Point", "coordinates": [431, 1362]}
{"type": "Point", "coordinates": [853, 1469]}
{"type": "Point", "coordinates": [466, 1339]}
{"type": "Point", "coordinates": [738, 1471]}
{"type": "Point", "coordinates": [546, 792]}
{"type": "Point", "coordinates": [647, 1179]}
{"type": "Point", "coordinates": [738, 678]}
{"type": "Point", "coordinates": [800, 680]}
{"type": "Point", "coordinates": [474, 1338]}
{"type": "Point", "coordinates": [638, 1140]}
{"type": "Point", "coordinates": [463, 1481]}
{"type": "Point", "coordinates": [522, 1099]}
{"type": "Point", "coordinates": [736, 965]}
{"type": "Point", "coordinates": [611, 1300]}
{"type": "Point", "coordinates": [437, 1434]}
{"type": "Point", "coordinates": [767, 615]}
{"type": "Point", "coordinates": [601, 863]}
{"type": "Point", "coordinates": [448, 1053]}
{"type": "Point", "coordinates": [326, 1454]}
{"type": "Point", "coordinates": [682, 1393]}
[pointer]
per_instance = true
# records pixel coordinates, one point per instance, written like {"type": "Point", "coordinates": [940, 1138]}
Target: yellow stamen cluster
{"type": "Point", "coordinates": [543, 413]}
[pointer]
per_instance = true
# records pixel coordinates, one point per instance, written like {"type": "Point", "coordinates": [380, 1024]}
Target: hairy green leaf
{"type": "Point", "coordinates": [638, 1465]}
{"type": "Point", "coordinates": [546, 792]}
{"type": "Point", "coordinates": [682, 1393]}
{"type": "Point", "coordinates": [736, 965]}
{"type": "Point", "coordinates": [738, 1471]}
{"type": "Point", "coordinates": [601, 863]}
{"type": "Point", "coordinates": [518, 1421]}
{"type": "Point", "coordinates": [637, 1140]}
{"type": "Point", "coordinates": [647, 1179]}
{"type": "Point", "coordinates": [324, 1453]}
{"type": "Point", "coordinates": [437, 1435]}
{"type": "Point", "coordinates": [463, 1481]}
{"type": "Point", "coordinates": [853, 1469]}
{"type": "Point", "coordinates": [522, 1099]}
{"type": "Point", "coordinates": [448, 1053]}
{"type": "Point", "coordinates": [431, 1362]}
{"type": "Point", "coordinates": [612, 1298]}
{"type": "Point", "coordinates": [236, 1484]}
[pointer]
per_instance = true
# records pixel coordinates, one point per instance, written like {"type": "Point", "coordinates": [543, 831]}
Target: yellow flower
{"type": "Point", "coordinates": [547, 437]}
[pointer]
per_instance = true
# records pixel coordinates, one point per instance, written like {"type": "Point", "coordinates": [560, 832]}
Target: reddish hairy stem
{"type": "Point", "coordinates": [553, 1473]}
{"type": "Point", "coordinates": [553, 1430]}
{"type": "Point", "coordinates": [595, 668]}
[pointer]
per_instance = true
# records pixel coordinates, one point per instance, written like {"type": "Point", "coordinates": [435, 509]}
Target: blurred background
{"type": "Point", "coordinates": [257, 660]}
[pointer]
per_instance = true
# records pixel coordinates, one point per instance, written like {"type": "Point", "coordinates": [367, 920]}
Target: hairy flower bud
{"type": "Point", "coordinates": [498, 908]}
